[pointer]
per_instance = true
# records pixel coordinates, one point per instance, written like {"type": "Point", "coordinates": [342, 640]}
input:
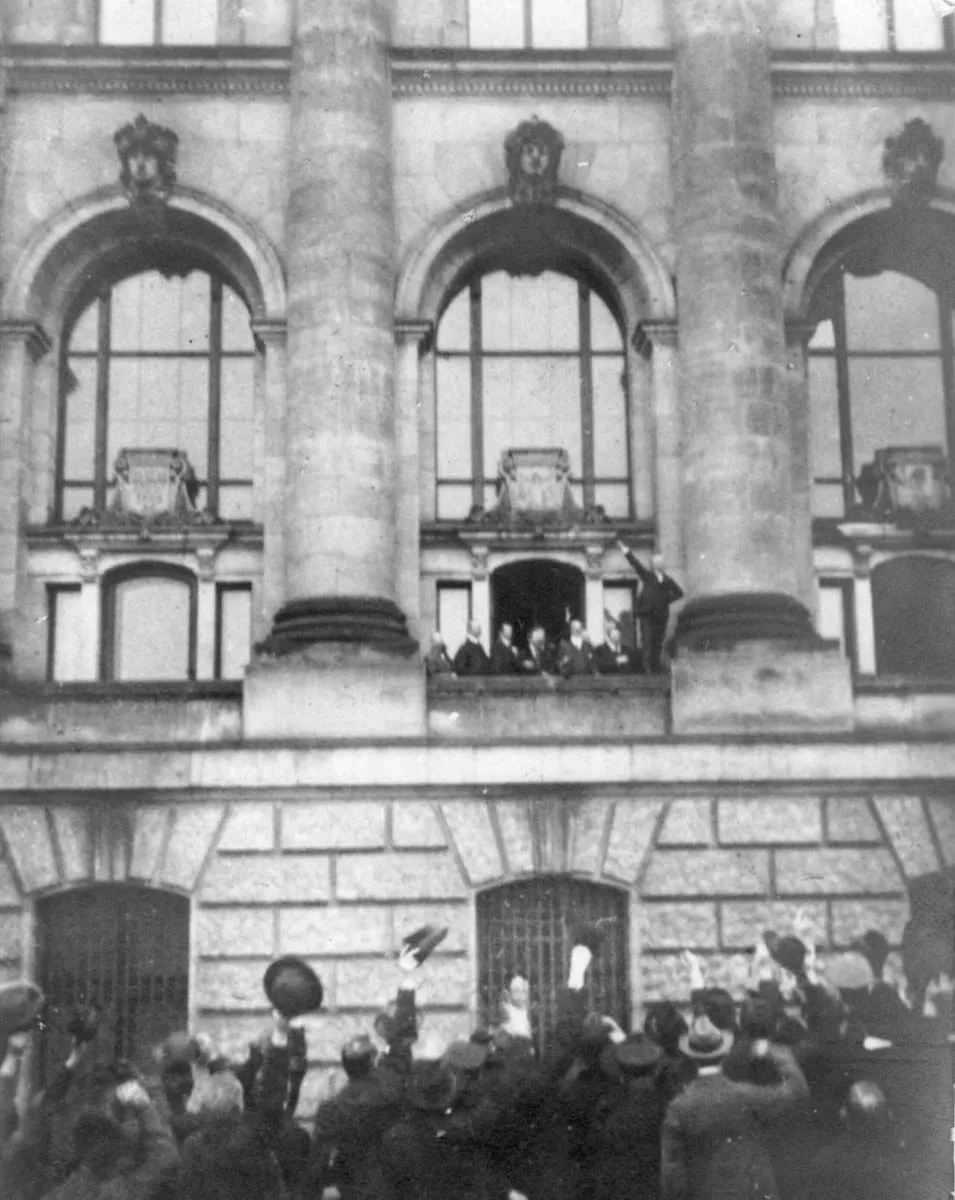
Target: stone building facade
{"type": "Point", "coordinates": [277, 305]}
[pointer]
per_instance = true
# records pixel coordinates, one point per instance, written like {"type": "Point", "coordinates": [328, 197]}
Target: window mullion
{"type": "Point", "coordinates": [102, 400]}
{"type": "Point", "coordinates": [586, 396]}
{"type": "Point", "coordinates": [528, 24]}
{"type": "Point", "coordinates": [215, 396]}
{"type": "Point", "coordinates": [157, 22]}
{"type": "Point", "coordinates": [842, 388]}
{"type": "Point", "coordinates": [477, 399]}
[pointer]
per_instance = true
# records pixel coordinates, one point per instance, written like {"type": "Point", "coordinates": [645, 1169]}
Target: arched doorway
{"type": "Point", "coordinates": [528, 926]}
{"type": "Point", "coordinates": [536, 592]}
{"type": "Point", "coordinates": [124, 948]}
{"type": "Point", "coordinates": [913, 607]}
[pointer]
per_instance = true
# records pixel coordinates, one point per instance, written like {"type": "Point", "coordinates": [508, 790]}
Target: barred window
{"type": "Point", "coordinates": [528, 927]}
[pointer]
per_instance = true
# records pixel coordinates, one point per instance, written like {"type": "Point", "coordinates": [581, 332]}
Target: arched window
{"type": "Point", "coordinates": [881, 367]}
{"type": "Point", "coordinates": [530, 360]}
{"type": "Point", "coordinates": [913, 610]}
{"type": "Point", "coordinates": [124, 948]}
{"type": "Point", "coordinates": [163, 22]}
{"type": "Point", "coordinates": [536, 592]}
{"type": "Point", "coordinates": [158, 361]}
{"type": "Point", "coordinates": [149, 623]}
{"type": "Point", "coordinates": [525, 24]}
{"type": "Point", "coordinates": [528, 927]}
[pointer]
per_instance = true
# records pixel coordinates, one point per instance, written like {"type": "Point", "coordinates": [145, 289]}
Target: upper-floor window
{"type": "Point", "coordinates": [531, 361]}
{"type": "Point", "coordinates": [881, 374]}
{"type": "Point", "coordinates": [165, 362]}
{"type": "Point", "coordinates": [158, 22]}
{"type": "Point", "coordinates": [526, 24]}
{"type": "Point", "coordinates": [901, 25]}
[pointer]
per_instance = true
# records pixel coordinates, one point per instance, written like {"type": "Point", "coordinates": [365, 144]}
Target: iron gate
{"type": "Point", "coordinates": [528, 927]}
{"type": "Point", "coordinates": [127, 950]}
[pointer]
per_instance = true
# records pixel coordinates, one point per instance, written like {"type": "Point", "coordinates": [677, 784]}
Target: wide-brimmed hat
{"type": "Point", "coordinates": [433, 1086]}
{"type": "Point", "coordinates": [788, 951]}
{"type": "Point", "coordinates": [875, 947]}
{"type": "Point", "coordinates": [21, 1003]}
{"type": "Point", "coordinates": [424, 941]}
{"type": "Point", "coordinates": [292, 987]}
{"type": "Point", "coordinates": [635, 1056]}
{"type": "Point", "coordinates": [466, 1056]}
{"type": "Point", "coordinates": [665, 1024]}
{"type": "Point", "coordinates": [703, 1042]}
{"type": "Point", "coordinates": [718, 1005]}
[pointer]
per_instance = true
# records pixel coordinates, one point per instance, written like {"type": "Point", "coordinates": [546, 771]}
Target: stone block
{"type": "Point", "coordinates": [906, 824]}
{"type": "Point", "coordinates": [9, 893]}
{"type": "Point", "coordinates": [706, 872]}
{"type": "Point", "coordinates": [742, 922]}
{"type": "Point", "coordinates": [333, 825]}
{"type": "Point", "coordinates": [193, 833]}
{"type": "Point", "coordinates": [680, 926]}
{"type": "Point", "coordinates": [943, 818]}
{"type": "Point", "coordinates": [30, 846]}
{"type": "Point", "coordinates": [260, 879]}
{"type": "Point", "coordinates": [250, 826]}
{"type": "Point", "coordinates": [761, 687]}
{"type": "Point", "coordinates": [11, 937]}
{"type": "Point", "coordinates": [849, 819]}
{"type": "Point", "coordinates": [472, 833]}
{"type": "Point", "coordinates": [351, 929]}
{"type": "Point", "coordinates": [149, 837]}
{"type": "Point", "coordinates": [687, 823]}
{"type": "Point", "coordinates": [817, 872]}
{"type": "Point", "coordinates": [851, 919]}
{"type": "Point", "coordinates": [665, 976]}
{"type": "Point", "coordinates": [589, 831]}
{"type": "Point", "coordinates": [231, 985]}
{"type": "Point", "coordinates": [631, 836]}
{"type": "Point", "coordinates": [371, 982]}
{"type": "Point", "coordinates": [71, 826]}
{"type": "Point", "coordinates": [415, 823]}
{"type": "Point", "coordinates": [350, 693]}
{"type": "Point", "coordinates": [399, 876]}
{"type": "Point", "coordinates": [222, 932]}
{"type": "Point", "coordinates": [782, 819]}
{"type": "Point", "coordinates": [516, 835]}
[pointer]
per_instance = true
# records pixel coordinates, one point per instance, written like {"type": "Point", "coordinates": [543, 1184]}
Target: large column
{"type": "Point", "coordinates": [341, 453]}
{"type": "Point", "coordinates": [745, 531]}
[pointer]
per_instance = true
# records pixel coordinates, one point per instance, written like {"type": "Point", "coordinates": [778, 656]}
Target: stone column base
{"type": "Point", "coordinates": [342, 691]}
{"type": "Point", "coordinates": [769, 686]}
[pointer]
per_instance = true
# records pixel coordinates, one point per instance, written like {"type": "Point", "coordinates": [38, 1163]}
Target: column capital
{"type": "Point", "coordinates": [415, 331]}
{"type": "Point", "coordinates": [655, 333]}
{"type": "Point", "coordinates": [270, 331]}
{"type": "Point", "coordinates": [30, 332]}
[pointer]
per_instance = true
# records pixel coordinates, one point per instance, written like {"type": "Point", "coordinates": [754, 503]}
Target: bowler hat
{"type": "Point", "coordinates": [20, 1005]}
{"type": "Point", "coordinates": [466, 1056]}
{"type": "Point", "coordinates": [704, 1042]}
{"type": "Point", "coordinates": [635, 1056]}
{"type": "Point", "coordinates": [424, 941]}
{"type": "Point", "coordinates": [788, 951]}
{"type": "Point", "coordinates": [433, 1086]}
{"type": "Point", "coordinates": [292, 987]}
{"type": "Point", "coordinates": [665, 1025]}
{"type": "Point", "coordinates": [359, 1050]}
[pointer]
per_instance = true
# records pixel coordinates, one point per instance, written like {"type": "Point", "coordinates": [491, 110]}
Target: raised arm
{"type": "Point", "coordinates": [642, 572]}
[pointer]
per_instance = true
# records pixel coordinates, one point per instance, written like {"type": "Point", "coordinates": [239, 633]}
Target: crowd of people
{"type": "Point", "coordinates": [573, 654]}
{"type": "Point", "coordinates": [815, 1084]}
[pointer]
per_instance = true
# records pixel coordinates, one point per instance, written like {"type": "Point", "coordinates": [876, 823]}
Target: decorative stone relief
{"type": "Point", "coordinates": [151, 488]}
{"type": "Point", "coordinates": [906, 482]}
{"type": "Point", "coordinates": [147, 154]}
{"type": "Point", "coordinates": [532, 152]}
{"type": "Point", "coordinates": [533, 490]}
{"type": "Point", "coordinates": [911, 162]}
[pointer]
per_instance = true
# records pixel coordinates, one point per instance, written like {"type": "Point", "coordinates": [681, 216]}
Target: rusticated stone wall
{"type": "Point", "coordinates": [338, 878]}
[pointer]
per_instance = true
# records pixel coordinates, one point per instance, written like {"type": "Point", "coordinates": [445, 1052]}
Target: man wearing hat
{"type": "Point", "coordinates": [712, 1144]}
{"type": "Point", "coordinates": [625, 1132]}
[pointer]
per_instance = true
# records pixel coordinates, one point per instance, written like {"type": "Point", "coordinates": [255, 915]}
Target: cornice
{"type": "Point", "coordinates": [244, 71]}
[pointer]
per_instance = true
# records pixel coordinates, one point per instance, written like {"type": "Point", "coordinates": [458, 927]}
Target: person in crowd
{"type": "Point", "coordinates": [540, 658]}
{"type": "Point", "coordinates": [575, 655]}
{"type": "Point", "coordinates": [471, 658]}
{"type": "Point", "coordinates": [505, 659]}
{"type": "Point", "coordinates": [612, 657]}
{"type": "Point", "coordinates": [657, 592]}
{"type": "Point", "coordinates": [864, 1161]}
{"type": "Point", "coordinates": [437, 661]}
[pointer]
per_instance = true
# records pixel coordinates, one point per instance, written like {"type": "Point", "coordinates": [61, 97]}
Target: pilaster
{"type": "Point", "coordinates": [662, 338]}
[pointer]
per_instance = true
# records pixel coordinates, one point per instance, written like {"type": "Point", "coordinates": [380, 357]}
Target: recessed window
{"type": "Point", "coordinates": [528, 24]}
{"type": "Point", "coordinates": [530, 360]}
{"type": "Point", "coordinates": [835, 619]}
{"type": "Point", "coordinates": [233, 629]}
{"type": "Point", "coordinates": [67, 635]}
{"type": "Point", "coordinates": [454, 612]}
{"type": "Point", "coordinates": [159, 361]}
{"type": "Point", "coordinates": [166, 22]}
{"type": "Point", "coordinates": [913, 611]}
{"type": "Point", "coordinates": [149, 624]}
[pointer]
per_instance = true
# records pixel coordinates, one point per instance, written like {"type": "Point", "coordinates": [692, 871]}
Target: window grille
{"type": "Point", "coordinates": [528, 927]}
{"type": "Point", "coordinates": [124, 948]}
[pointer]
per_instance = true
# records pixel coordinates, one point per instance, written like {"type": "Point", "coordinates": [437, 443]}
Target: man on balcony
{"type": "Point", "coordinates": [576, 656]}
{"type": "Point", "coordinates": [504, 657]}
{"type": "Point", "coordinates": [657, 592]}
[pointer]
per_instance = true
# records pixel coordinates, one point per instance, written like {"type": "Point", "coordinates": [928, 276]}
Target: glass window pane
{"type": "Point", "coordinates": [831, 619]}
{"type": "Point", "coordinates": [126, 312]}
{"type": "Point", "coordinates": [614, 498]}
{"type": "Point", "coordinates": [236, 328]}
{"type": "Point", "coordinates": [828, 501]}
{"type": "Point", "coordinates": [69, 634]}
{"type": "Point", "coordinates": [823, 337]}
{"type": "Point", "coordinates": [454, 418]}
{"type": "Point", "coordinates": [151, 631]}
{"type": "Point", "coordinates": [126, 22]}
{"type": "Point", "coordinates": [604, 329]}
{"type": "Point", "coordinates": [895, 402]}
{"type": "Point", "coordinates": [918, 27]}
{"type": "Point", "coordinates": [189, 22]}
{"type": "Point", "coordinates": [560, 24]}
{"type": "Point", "coordinates": [825, 450]}
{"type": "Point", "coordinates": [496, 328]}
{"type": "Point", "coordinates": [235, 631]}
{"type": "Point", "coordinates": [194, 309]}
{"type": "Point", "coordinates": [618, 603]}
{"type": "Point", "coordinates": [862, 24]}
{"type": "Point", "coordinates": [496, 23]}
{"type": "Point", "coordinates": [531, 402]}
{"type": "Point", "coordinates": [454, 328]}
{"type": "Point", "coordinates": [529, 312]}
{"type": "Point", "coordinates": [236, 418]}
{"type": "Point", "coordinates": [75, 499]}
{"type": "Point", "coordinates": [235, 502]}
{"type": "Point", "coordinates": [84, 335]}
{"type": "Point", "coordinates": [610, 418]}
{"type": "Point", "coordinates": [454, 610]}
{"type": "Point", "coordinates": [890, 312]}
{"type": "Point", "coordinates": [159, 403]}
{"type": "Point", "coordinates": [454, 501]}
{"type": "Point", "coordinates": [80, 428]}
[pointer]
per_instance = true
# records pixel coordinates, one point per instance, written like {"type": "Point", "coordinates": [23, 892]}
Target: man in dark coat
{"type": "Point", "coordinates": [625, 1132]}
{"type": "Point", "coordinates": [575, 656]}
{"type": "Point", "coordinates": [471, 658]}
{"type": "Point", "coordinates": [612, 657]}
{"type": "Point", "coordinates": [505, 659]}
{"type": "Point", "coordinates": [540, 659]}
{"type": "Point", "coordinates": [657, 593]}
{"type": "Point", "coordinates": [437, 661]}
